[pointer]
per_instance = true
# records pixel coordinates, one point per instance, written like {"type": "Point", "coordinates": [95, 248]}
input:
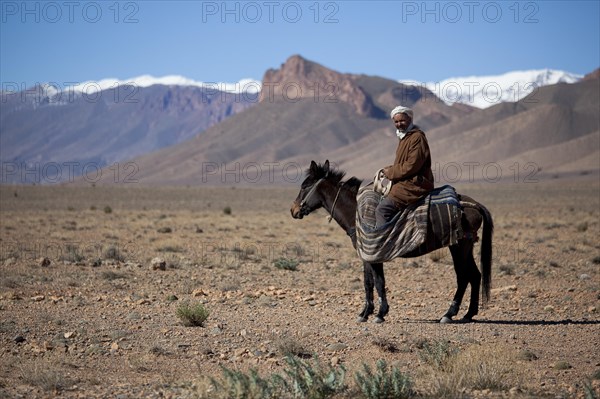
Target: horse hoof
{"type": "Point", "coordinates": [446, 320]}
{"type": "Point", "coordinates": [361, 319]}
{"type": "Point", "coordinates": [378, 320]}
{"type": "Point", "coordinates": [466, 320]}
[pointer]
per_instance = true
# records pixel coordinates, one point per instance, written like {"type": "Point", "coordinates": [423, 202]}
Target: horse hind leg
{"type": "Point", "coordinates": [369, 284]}
{"type": "Point", "coordinates": [475, 280]}
{"type": "Point", "coordinates": [459, 259]}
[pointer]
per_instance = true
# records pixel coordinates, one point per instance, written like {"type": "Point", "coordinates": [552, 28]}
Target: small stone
{"type": "Point", "coordinates": [504, 289]}
{"type": "Point", "coordinates": [239, 351]}
{"type": "Point", "coordinates": [199, 292]}
{"type": "Point", "coordinates": [48, 346]}
{"type": "Point", "coordinates": [14, 296]}
{"type": "Point", "coordinates": [244, 333]}
{"type": "Point", "coordinates": [158, 264]}
{"type": "Point", "coordinates": [592, 309]}
{"type": "Point", "coordinates": [584, 276]}
{"type": "Point", "coordinates": [69, 335]}
{"type": "Point", "coordinates": [549, 308]}
{"type": "Point", "coordinates": [526, 355]}
{"type": "Point", "coordinates": [514, 391]}
{"type": "Point", "coordinates": [38, 298]}
{"type": "Point", "coordinates": [562, 365]}
{"type": "Point", "coordinates": [335, 361]}
{"type": "Point", "coordinates": [336, 347]}
{"type": "Point", "coordinates": [44, 262]}
{"type": "Point", "coordinates": [312, 303]}
{"type": "Point", "coordinates": [114, 347]}
{"type": "Point", "coordinates": [18, 339]}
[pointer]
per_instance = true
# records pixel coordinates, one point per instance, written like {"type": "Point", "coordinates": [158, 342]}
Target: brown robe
{"type": "Point", "coordinates": [411, 173]}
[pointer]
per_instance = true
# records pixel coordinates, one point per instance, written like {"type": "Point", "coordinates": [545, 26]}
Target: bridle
{"type": "Point", "coordinates": [312, 191]}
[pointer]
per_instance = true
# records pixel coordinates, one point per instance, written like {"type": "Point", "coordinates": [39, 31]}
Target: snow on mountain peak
{"type": "Point", "coordinates": [243, 86]}
{"type": "Point", "coordinates": [485, 91]}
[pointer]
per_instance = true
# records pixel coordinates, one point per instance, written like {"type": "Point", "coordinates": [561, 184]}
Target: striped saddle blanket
{"type": "Point", "coordinates": [431, 223]}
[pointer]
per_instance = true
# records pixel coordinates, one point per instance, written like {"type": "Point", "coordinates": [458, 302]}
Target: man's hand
{"type": "Point", "coordinates": [387, 171]}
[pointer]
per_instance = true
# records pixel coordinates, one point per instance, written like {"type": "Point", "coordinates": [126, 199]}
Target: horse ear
{"type": "Point", "coordinates": [326, 167]}
{"type": "Point", "coordinates": [313, 167]}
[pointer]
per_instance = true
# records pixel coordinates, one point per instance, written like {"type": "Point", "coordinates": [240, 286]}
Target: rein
{"type": "Point", "coordinates": [335, 201]}
{"type": "Point", "coordinates": [312, 191]}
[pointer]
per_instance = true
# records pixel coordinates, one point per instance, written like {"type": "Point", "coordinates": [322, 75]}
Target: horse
{"type": "Point", "coordinates": [324, 187]}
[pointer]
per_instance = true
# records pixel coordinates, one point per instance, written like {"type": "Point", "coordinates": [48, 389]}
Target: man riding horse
{"type": "Point", "coordinates": [410, 174]}
{"type": "Point", "coordinates": [411, 181]}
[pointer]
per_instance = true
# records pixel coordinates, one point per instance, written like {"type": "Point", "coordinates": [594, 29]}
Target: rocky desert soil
{"type": "Point", "coordinates": [91, 279]}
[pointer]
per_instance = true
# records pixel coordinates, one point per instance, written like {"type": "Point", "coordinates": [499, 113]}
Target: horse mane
{"type": "Point", "coordinates": [334, 175]}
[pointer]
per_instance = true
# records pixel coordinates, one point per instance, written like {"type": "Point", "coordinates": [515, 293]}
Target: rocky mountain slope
{"type": "Point", "coordinates": [549, 132]}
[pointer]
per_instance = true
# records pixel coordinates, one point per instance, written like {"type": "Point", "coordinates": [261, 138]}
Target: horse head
{"type": "Point", "coordinates": [309, 199]}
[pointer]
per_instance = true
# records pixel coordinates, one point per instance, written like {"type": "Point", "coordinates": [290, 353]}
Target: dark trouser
{"type": "Point", "coordinates": [386, 211]}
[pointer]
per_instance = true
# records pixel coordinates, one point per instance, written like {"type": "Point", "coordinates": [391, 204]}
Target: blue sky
{"type": "Point", "coordinates": [213, 41]}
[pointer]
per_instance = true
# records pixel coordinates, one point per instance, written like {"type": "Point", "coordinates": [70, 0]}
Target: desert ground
{"type": "Point", "coordinates": [86, 309]}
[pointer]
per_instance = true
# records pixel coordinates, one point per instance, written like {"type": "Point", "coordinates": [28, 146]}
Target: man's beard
{"type": "Point", "coordinates": [402, 132]}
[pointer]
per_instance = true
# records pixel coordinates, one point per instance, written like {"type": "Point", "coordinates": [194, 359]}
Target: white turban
{"type": "Point", "coordinates": [401, 110]}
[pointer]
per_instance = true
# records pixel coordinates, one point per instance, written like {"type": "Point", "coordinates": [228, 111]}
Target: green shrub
{"type": "Point", "coordinates": [72, 254]}
{"type": "Point", "coordinates": [383, 383]}
{"type": "Point", "coordinates": [114, 253]}
{"type": "Point", "coordinates": [589, 391]}
{"type": "Point", "coordinates": [110, 275]}
{"type": "Point", "coordinates": [286, 264]}
{"type": "Point", "coordinates": [237, 385]}
{"type": "Point", "coordinates": [301, 380]}
{"type": "Point", "coordinates": [170, 248]}
{"type": "Point", "coordinates": [312, 380]}
{"type": "Point", "coordinates": [192, 315]}
{"type": "Point", "coordinates": [227, 210]}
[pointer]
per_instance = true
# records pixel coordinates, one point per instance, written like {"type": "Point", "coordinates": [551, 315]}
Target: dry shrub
{"type": "Point", "coordinates": [486, 367]}
{"type": "Point", "coordinates": [474, 368]}
{"type": "Point", "coordinates": [287, 346]}
{"type": "Point", "coordinates": [45, 375]}
{"type": "Point", "coordinates": [385, 344]}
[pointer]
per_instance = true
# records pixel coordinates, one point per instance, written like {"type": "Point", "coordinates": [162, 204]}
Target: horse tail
{"type": "Point", "coordinates": [486, 251]}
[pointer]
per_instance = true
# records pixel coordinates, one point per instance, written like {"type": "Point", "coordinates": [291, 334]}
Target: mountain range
{"type": "Point", "coordinates": [185, 134]}
{"type": "Point", "coordinates": [84, 129]}
{"type": "Point", "coordinates": [485, 91]}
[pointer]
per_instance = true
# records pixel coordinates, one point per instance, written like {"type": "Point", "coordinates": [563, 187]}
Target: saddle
{"type": "Point", "coordinates": [432, 222]}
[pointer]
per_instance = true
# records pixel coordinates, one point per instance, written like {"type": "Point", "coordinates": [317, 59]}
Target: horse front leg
{"type": "Point", "coordinates": [380, 286]}
{"type": "Point", "coordinates": [369, 307]}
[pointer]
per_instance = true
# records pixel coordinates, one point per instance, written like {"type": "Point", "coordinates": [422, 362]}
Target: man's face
{"type": "Point", "coordinates": [402, 121]}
